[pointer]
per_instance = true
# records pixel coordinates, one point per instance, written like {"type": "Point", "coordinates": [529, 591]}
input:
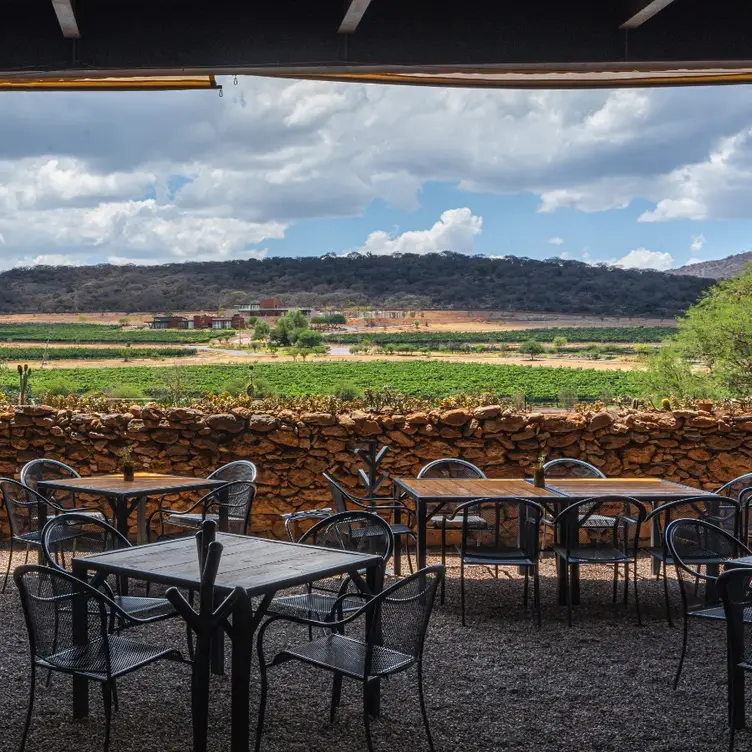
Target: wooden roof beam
{"type": "Point", "coordinates": [66, 18]}
{"type": "Point", "coordinates": [355, 12]}
{"type": "Point", "coordinates": [643, 10]}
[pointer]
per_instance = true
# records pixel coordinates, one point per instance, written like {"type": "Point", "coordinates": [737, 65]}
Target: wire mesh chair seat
{"type": "Point", "coordinates": [392, 643]}
{"type": "Point", "coordinates": [604, 554]}
{"type": "Point", "coordinates": [362, 532]}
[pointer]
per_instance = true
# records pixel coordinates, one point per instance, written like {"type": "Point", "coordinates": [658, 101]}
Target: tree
{"type": "Point", "coordinates": [669, 374]}
{"type": "Point", "coordinates": [307, 338]}
{"type": "Point", "coordinates": [287, 327]}
{"type": "Point", "coordinates": [717, 332]}
{"type": "Point", "coordinates": [531, 347]}
{"type": "Point", "coordinates": [559, 343]}
{"type": "Point", "coordinates": [261, 330]}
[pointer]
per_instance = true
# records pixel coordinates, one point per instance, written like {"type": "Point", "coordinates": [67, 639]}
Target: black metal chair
{"type": "Point", "coordinates": [735, 590]}
{"type": "Point", "coordinates": [232, 514]}
{"type": "Point", "coordinates": [396, 624]}
{"type": "Point", "coordinates": [71, 534]}
{"type": "Point", "coordinates": [363, 532]}
{"type": "Point", "coordinates": [377, 505]}
{"type": "Point", "coordinates": [46, 469]}
{"type": "Point", "coordinates": [582, 537]}
{"type": "Point", "coordinates": [722, 511]}
{"type": "Point", "coordinates": [238, 470]}
{"type": "Point", "coordinates": [293, 519]}
{"type": "Point", "coordinates": [444, 519]}
{"type": "Point", "coordinates": [694, 544]}
{"type": "Point", "coordinates": [54, 603]}
{"type": "Point", "coordinates": [740, 489]}
{"type": "Point", "coordinates": [22, 505]}
{"type": "Point", "coordinates": [509, 536]}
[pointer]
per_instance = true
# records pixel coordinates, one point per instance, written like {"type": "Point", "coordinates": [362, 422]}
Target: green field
{"type": "Point", "coordinates": [92, 353]}
{"type": "Point", "coordinates": [102, 333]}
{"type": "Point", "coordinates": [425, 338]}
{"type": "Point", "coordinates": [431, 379]}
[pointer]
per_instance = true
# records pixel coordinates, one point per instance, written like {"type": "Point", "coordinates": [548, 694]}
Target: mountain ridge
{"type": "Point", "coordinates": [723, 268]}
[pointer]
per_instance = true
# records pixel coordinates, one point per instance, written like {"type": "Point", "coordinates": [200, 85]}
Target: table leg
{"type": "Point", "coordinates": [141, 537]}
{"type": "Point", "coordinates": [397, 556]}
{"type": "Point", "coordinates": [420, 513]}
{"type": "Point", "coordinates": [374, 582]}
{"type": "Point", "coordinates": [121, 515]}
{"type": "Point", "coordinates": [41, 522]}
{"type": "Point", "coordinates": [223, 511]}
{"type": "Point", "coordinates": [79, 618]}
{"type": "Point", "coordinates": [218, 647]}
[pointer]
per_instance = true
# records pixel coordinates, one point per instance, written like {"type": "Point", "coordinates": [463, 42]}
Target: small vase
{"type": "Point", "coordinates": [128, 473]}
{"type": "Point", "coordinates": [539, 478]}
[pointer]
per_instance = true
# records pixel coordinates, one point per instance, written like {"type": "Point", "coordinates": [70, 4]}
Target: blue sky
{"type": "Point", "coordinates": [641, 178]}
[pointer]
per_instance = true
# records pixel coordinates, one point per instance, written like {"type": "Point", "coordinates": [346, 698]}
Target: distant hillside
{"type": "Point", "coordinates": [445, 280]}
{"type": "Point", "coordinates": [720, 269]}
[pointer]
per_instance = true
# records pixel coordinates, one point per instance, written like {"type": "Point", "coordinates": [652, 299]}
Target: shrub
{"type": "Point", "coordinates": [347, 391]}
{"type": "Point", "coordinates": [126, 391]}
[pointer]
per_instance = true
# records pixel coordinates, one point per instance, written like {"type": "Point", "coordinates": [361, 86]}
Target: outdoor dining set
{"type": "Point", "coordinates": [339, 575]}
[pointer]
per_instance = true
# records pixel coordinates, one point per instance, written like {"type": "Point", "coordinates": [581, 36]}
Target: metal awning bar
{"type": "Point", "coordinates": [111, 83]}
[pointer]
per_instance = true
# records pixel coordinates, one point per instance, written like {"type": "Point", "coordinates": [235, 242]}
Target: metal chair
{"type": "Point", "coordinates": [232, 514]}
{"type": "Point", "coordinates": [613, 545]}
{"type": "Point", "coordinates": [694, 544]}
{"type": "Point", "coordinates": [509, 536]}
{"type": "Point", "coordinates": [740, 489]}
{"type": "Point", "coordinates": [295, 518]}
{"type": "Point", "coordinates": [363, 532]}
{"type": "Point", "coordinates": [22, 505]}
{"type": "Point", "coordinates": [735, 589]}
{"type": "Point", "coordinates": [444, 519]}
{"type": "Point", "coordinates": [718, 510]}
{"type": "Point", "coordinates": [52, 601]}
{"type": "Point", "coordinates": [377, 505]}
{"type": "Point", "coordinates": [238, 470]}
{"type": "Point", "coordinates": [396, 623]}
{"type": "Point", "coordinates": [71, 534]}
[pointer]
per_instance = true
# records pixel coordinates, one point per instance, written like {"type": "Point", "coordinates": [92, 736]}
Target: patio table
{"type": "Point", "coordinates": [125, 496]}
{"type": "Point", "coordinates": [259, 566]}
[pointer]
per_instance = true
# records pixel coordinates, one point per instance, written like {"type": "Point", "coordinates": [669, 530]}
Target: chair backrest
{"type": "Point", "coordinates": [603, 521]}
{"type": "Point", "coordinates": [239, 470]}
{"type": "Point", "coordinates": [735, 488]}
{"type": "Point", "coordinates": [722, 511]}
{"type": "Point", "coordinates": [405, 610]}
{"type": "Point", "coordinates": [21, 503]}
{"type": "Point", "coordinates": [363, 532]}
{"type": "Point", "coordinates": [239, 501]}
{"type": "Point", "coordinates": [568, 467]}
{"type": "Point", "coordinates": [694, 544]}
{"type": "Point", "coordinates": [48, 598]}
{"type": "Point", "coordinates": [509, 528]}
{"type": "Point", "coordinates": [45, 469]}
{"type": "Point", "coordinates": [340, 496]}
{"type": "Point", "coordinates": [451, 468]}
{"type": "Point", "coordinates": [735, 589]}
{"type": "Point", "coordinates": [73, 534]}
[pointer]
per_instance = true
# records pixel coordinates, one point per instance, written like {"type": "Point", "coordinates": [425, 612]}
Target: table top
{"type": "Point", "coordinates": [441, 489]}
{"type": "Point", "coordinates": [258, 565]}
{"type": "Point", "coordinates": [142, 485]}
{"type": "Point", "coordinates": [742, 562]}
{"type": "Point", "coordinates": [638, 488]}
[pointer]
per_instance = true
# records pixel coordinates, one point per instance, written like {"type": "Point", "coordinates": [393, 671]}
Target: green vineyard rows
{"type": "Point", "coordinates": [102, 333]}
{"type": "Point", "coordinates": [92, 353]}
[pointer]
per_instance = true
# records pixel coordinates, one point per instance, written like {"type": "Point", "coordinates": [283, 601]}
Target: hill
{"type": "Point", "coordinates": [444, 280]}
{"type": "Point", "coordinates": [719, 269]}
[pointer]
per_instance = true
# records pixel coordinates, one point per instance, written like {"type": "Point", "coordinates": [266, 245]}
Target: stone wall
{"type": "Point", "coordinates": [291, 449]}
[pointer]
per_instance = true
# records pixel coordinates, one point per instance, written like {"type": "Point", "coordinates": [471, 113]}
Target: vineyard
{"type": "Point", "coordinates": [428, 379]}
{"type": "Point", "coordinates": [102, 333]}
{"type": "Point", "coordinates": [422, 338]}
{"type": "Point", "coordinates": [92, 353]}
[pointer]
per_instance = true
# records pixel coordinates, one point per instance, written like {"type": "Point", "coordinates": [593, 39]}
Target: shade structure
{"type": "Point", "coordinates": [110, 83]}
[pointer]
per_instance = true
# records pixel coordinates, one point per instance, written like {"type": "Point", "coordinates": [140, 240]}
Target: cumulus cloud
{"type": "Point", "coordinates": [642, 258]}
{"type": "Point", "coordinates": [556, 241]}
{"type": "Point", "coordinates": [455, 231]}
{"type": "Point", "coordinates": [697, 244]}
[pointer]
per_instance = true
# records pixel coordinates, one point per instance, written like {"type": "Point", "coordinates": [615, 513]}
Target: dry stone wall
{"type": "Point", "coordinates": [292, 449]}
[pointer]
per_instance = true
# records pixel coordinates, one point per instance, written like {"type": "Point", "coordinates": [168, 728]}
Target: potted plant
{"type": "Point", "coordinates": [129, 466]}
{"type": "Point", "coordinates": [539, 478]}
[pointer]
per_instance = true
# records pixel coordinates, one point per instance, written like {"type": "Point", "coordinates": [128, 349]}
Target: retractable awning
{"type": "Point", "coordinates": [130, 83]}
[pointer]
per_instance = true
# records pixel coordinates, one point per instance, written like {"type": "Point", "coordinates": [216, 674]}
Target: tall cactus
{"type": "Point", "coordinates": [23, 383]}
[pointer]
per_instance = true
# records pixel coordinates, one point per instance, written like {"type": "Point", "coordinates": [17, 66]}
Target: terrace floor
{"type": "Point", "coordinates": [499, 683]}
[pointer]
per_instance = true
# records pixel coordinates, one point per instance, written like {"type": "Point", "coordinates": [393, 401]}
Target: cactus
{"type": "Point", "coordinates": [23, 383]}
{"type": "Point", "coordinates": [666, 404]}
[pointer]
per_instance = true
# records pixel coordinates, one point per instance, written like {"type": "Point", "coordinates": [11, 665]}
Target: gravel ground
{"type": "Point", "coordinates": [499, 683]}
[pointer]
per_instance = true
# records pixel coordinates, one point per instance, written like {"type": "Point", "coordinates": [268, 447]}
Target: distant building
{"type": "Point", "coordinates": [171, 322]}
{"type": "Point", "coordinates": [270, 308]}
{"type": "Point", "coordinates": [199, 321]}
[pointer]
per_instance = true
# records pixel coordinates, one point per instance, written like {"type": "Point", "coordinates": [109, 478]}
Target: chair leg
{"type": "Point", "coordinates": [667, 597]}
{"type": "Point", "coordinates": [423, 707]}
{"type": "Point", "coordinates": [616, 583]}
{"type": "Point", "coordinates": [26, 558]}
{"type": "Point", "coordinates": [407, 549]}
{"type": "Point", "coordinates": [367, 718]}
{"type": "Point", "coordinates": [30, 708]}
{"type": "Point", "coordinates": [637, 595]}
{"type": "Point", "coordinates": [262, 698]}
{"type": "Point", "coordinates": [525, 589]}
{"type": "Point", "coordinates": [336, 694]}
{"type": "Point", "coordinates": [107, 697]}
{"type": "Point", "coordinates": [683, 652]}
{"type": "Point", "coordinates": [462, 590]}
{"type": "Point", "coordinates": [443, 560]}
{"type": "Point", "coordinates": [10, 561]}
{"type": "Point", "coordinates": [567, 573]}
{"type": "Point", "coordinates": [626, 584]}
{"type": "Point", "coordinates": [536, 593]}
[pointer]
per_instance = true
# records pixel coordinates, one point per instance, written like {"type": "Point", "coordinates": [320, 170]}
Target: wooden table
{"type": "Point", "coordinates": [431, 495]}
{"type": "Point", "coordinates": [124, 496]}
{"type": "Point", "coordinates": [260, 566]}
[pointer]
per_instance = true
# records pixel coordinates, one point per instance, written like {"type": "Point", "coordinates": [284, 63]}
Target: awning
{"type": "Point", "coordinates": [131, 83]}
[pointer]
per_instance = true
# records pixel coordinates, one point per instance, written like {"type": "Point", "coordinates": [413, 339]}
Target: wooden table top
{"type": "Point", "coordinates": [142, 485]}
{"type": "Point", "coordinates": [258, 565]}
{"type": "Point", "coordinates": [441, 489]}
{"type": "Point", "coordinates": [638, 488]}
{"type": "Point", "coordinates": [744, 562]}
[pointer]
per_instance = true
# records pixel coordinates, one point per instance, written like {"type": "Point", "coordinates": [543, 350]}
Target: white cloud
{"type": "Point", "coordinates": [556, 241]}
{"type": "Point", "coordinates": [692, 261]}
{"type": "Point", "coordinates": [697, 244]}
{"type": "Point", "coordinates": [455, 231]}
{"type": "Point", "coordinates": [642, 258]}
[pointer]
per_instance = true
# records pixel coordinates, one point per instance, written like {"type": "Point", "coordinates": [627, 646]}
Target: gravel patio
{"type": "Point", "coordinates": [499, 683]}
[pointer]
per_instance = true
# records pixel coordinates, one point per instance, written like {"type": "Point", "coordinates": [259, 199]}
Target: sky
{"type": "Point", "coordinates": [641, 178]}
